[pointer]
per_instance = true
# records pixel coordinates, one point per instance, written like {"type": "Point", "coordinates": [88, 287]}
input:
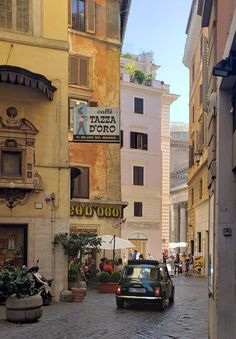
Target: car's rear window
{"type": "Point", "coordinates": [150, 273]}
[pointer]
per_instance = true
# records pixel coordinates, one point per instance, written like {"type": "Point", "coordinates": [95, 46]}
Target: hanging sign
{"type": "Point", "coordinates": [96, 124]}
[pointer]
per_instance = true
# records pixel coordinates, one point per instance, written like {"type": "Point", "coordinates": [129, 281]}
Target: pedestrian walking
{"type": "Point", "coordinates": [176, 264]}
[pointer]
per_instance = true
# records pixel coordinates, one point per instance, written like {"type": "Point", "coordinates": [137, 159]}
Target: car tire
{"type": "Point", "coordinates": [161, 304]}
{"type": "Point", "coordinates": [120, 304]}
{"type": "Point", "coordinates": [172, 298]}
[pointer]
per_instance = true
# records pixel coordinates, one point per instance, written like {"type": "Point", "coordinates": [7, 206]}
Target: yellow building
{"type": "Point", "coordinates": [96, 30]}
{"type": "Point", "coordinates": [34, 167]}
{"type": "Point", "coordinates": [195, 58]}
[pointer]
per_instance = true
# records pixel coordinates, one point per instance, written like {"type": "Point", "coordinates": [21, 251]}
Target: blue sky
{"type": "Point", "coordinates": [159, 26]}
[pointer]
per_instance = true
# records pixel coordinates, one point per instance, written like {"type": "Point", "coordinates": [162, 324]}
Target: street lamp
{"type": "Point", "coordinates": [225, 67]}
{"type": "Point", "coordinates": [198, 156]}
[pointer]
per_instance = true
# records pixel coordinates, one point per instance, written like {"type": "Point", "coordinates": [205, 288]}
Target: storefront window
{"type": "Point", "coordinates": [13, 240]}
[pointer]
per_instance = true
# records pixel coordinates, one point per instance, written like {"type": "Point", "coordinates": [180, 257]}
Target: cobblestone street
{"type": "Point", "coordinates": [97, 317]}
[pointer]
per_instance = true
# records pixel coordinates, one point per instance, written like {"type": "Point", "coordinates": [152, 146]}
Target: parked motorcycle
{"type": "Point", "coordinates": [43, 284]}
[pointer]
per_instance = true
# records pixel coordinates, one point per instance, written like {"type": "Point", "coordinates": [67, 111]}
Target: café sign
{"type": "Point", "coordinates": [89, 210]}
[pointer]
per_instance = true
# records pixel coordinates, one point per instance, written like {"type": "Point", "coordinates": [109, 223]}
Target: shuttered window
{"type": "Point", "coordinates": [138, 140]}
{"type": "Point", "coordinates": [6, 14]}
{"type": "Point", "coordinates": [138, 209]}
{"type": "Point", "coordinates": [138, 175]}
{"type": "Point", "coordinates": [15, 15]}
{"type": "Point", "coordinates": [22, 16]}
{"type": "Point", "coordinates": [78, 71]}
{"type": "Point", "coordinates": [81, 15]}
{"type": "Point", "coordinates": [138, 105]}
{"type": "Point", "coordinates": [80, 183]}
{"type": "Point", "coordinates": [90, 16]}
{"type": "Point", "coordinates": [113, 11]}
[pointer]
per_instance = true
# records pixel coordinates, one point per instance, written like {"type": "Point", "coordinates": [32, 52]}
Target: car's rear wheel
{"type": "Point", "coordinates": [120, 303]}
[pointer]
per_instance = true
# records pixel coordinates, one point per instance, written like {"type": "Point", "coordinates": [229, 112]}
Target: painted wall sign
{"type": "Point", "coordinates": [96, 124]}
{"type": "Point", "coordinates": [80, 210]}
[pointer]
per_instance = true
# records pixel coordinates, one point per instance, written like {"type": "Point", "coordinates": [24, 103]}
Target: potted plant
{"type": "Point", "coordinates": [23, 303]}
{"type": "Point", "coordinates": [108, 283]}
{"type": "Point", "coordinates": [73, 274]}
{"type": "Point", "coordinates": [139, 76]}
{"type": "Point", "coordinates": [75, 246]}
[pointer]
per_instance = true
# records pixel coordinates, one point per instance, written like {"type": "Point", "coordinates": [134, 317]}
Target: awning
{"type": "Point", "coordinates": [22, 77]}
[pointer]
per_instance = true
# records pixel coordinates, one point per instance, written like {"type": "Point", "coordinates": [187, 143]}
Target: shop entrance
{"type": "Point", "coordinates": [13, 245]}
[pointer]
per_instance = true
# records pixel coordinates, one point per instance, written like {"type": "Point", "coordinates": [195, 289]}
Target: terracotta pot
{"type": "Point", "coordinates": [107, 287]}
{"type": "Point", "coordinates": [79, 293]}
{"type": "Point", "coordinates": [24, 309]}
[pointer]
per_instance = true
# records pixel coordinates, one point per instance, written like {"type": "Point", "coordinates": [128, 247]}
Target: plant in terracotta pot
{"type": "Point", "coordinates": [108, 283]}
{"type": "Point", "coordinates": [76, 245]}
{"type": "Point", "coordinates": [17, 286]}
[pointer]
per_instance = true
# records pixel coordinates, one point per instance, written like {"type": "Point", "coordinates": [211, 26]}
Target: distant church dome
{"type": "Point", "coordinates": [179, 130]}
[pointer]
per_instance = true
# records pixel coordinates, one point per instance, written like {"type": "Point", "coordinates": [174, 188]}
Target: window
{"type": "Point", "coordinates": [193, 72]}
{"type": "Point", "coordinates": [80, 182]}
{"type": "Point", "coordinates": [121, 139]}
{"type": "Point", "coordinates": [82, 15]}
{"type": "Point", "coordinates": [138, 105]}
{"type": "Point", "coordinates": [193, 114]}
{"type": "Point", "coordinates": [192, 196]}
{"type": "Point", "coordinates": [138, 209]}
{"type": "Point", "coordinates": [112, 19]}
{"type": "Point", "coordinates": [138, 175]}
{"type": "Point", "coordinates": [11, 163]}
{"type": "Point", "coordinates": [200, 94]}
{"type": "Point", "coordinates": [15, 15]}
{"type": "Point", "coordinates": [200, 189]}
{"type": "Point", "coordinates": [199, 241]}
{"type": "Point", "coordinates": [138, 140]}
{"type": "Point", "coordinates": [79, 71]}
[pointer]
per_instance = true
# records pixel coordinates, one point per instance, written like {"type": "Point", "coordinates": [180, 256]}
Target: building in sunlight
{"type": "Point", "coordinates": [179, 160]}
{"type": "Point", "coordinates": [145, 154]}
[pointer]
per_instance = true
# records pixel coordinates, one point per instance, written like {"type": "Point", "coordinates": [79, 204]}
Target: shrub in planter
{"type": "Point", "coordinates": [104, 277]}
{"type": "Point", "coordinates": [23, 304]}
{"type": "Point", "coordinates": [17, 282]}
{"type": "Point", "coordinates": [139, 76]}
{"type": "Point", "coordinates": [115, 277]}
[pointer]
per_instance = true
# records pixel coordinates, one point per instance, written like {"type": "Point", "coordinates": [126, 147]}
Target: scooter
{"type": "Point", "coordinates": [43, 284]}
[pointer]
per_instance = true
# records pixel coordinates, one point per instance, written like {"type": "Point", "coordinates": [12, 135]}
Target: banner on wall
{"type": "Point", "coordinates": [96, 124]}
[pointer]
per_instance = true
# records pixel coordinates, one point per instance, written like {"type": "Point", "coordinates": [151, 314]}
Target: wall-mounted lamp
{"type": "Point", "coordinates": [225, 67]}
{"type": "Point", "coordinates": [198, 156]}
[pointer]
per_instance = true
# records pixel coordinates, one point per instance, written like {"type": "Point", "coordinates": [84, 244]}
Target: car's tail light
{"type": "Point", "coordinates": [118, 290]}
{"type": "Point", "coordinates": [157, 292]}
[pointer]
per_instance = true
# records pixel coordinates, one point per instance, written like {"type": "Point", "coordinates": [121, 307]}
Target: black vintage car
{"type": "Point", "coordinates": [145, 281]}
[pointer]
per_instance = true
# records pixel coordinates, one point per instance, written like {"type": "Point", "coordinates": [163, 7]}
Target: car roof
{"type": "Point", "coordinates": [143, 262]}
